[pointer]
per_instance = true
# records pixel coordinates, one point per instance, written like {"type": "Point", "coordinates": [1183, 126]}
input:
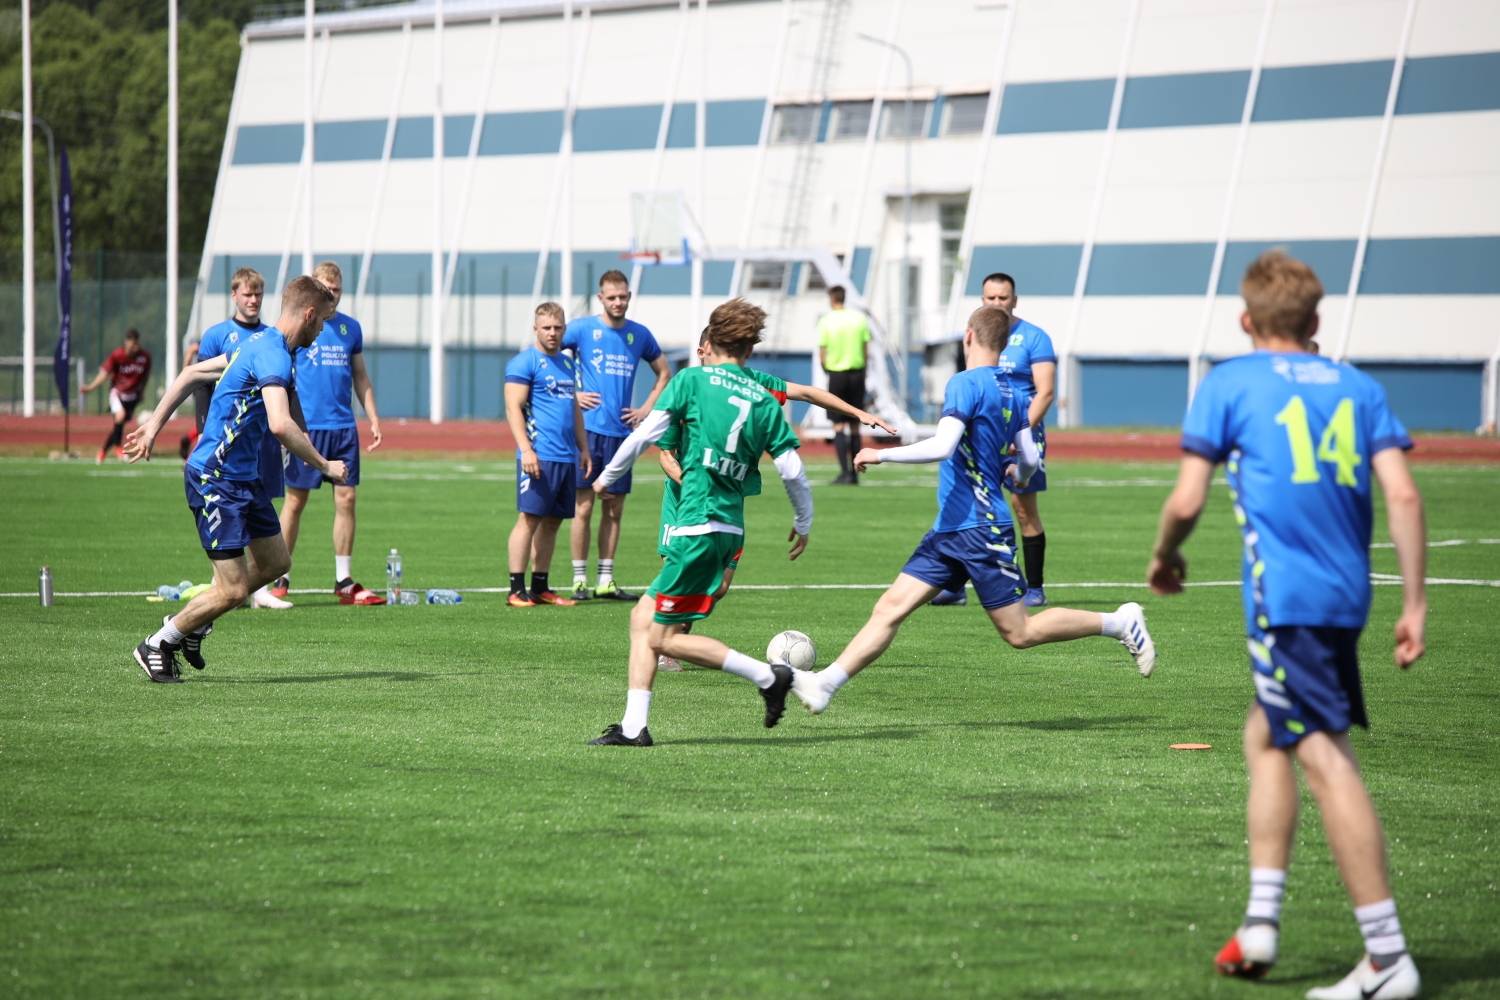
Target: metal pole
{"type": "Point", "coordinates": [664, 123]}
{"type": "Point", "coordinates": [766, 119]}
{"type": "Point", "coordinates": [565, 285]}
{"type": "Point", "coordinates": [872, 131]}
{"type": "Point", "coordinates": [700, 139]}
{"type": "Point", "coordinates": [469, 161]}
{"type": "Point", "coordinates": [307, 134]}
{"type": "Point", "coordinates": [436, 384]}
{"type": "Point", "coordinates": [172, 225]}
{"type": "Point", "coordinates": [385, 164]}
{"type": "Point", "coordinates": [226, 157]}
{"type": "Point", "coordinates": [28, 227]}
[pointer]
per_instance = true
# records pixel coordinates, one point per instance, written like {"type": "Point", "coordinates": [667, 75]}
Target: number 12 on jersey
{"type": "Point", "coordinates": [1337, 445]}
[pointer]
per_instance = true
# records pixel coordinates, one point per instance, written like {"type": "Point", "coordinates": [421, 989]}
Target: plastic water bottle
{"type": "Point", "coordinates": [184, 585]}
{"type": "Point", "coordinates": [393, 578]}
{"type": "Point", "coordinates": [167, 592]}
{"type": "Point", "coordinates": [44, 586]}
{"type": "Point", "coordinates": [407, 597]}
{"type": "Point", "coordinates": [444, 597]}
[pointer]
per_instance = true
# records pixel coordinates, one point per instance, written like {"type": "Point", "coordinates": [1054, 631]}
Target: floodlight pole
{"type": "Point", "coordinates": [905, 287]}
{"type": "Point", "coordinates": [700, 142]}
{"type": "Point", "coordinates": [28, 226]}
{"type": "Point", "coordinates": [436, 381]}
{"type": "Point", "coordinates": [172, 224]}
{"type": "Point", "coordinates": [308, 152]}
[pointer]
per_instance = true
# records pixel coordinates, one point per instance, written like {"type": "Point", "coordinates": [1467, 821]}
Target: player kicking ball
{"type": "Point", "coordinates": [727, 420]}
{"type": "Point", "coordinates": [973, 537]}
{"type": "Point", "coordinates": [1304, 509]}
{"type": "Point", "coordinates": [542, 409]}
{"type": "Point", "coordinates": [236, 522]}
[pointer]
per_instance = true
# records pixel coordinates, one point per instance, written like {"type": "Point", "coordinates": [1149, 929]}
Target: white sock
{"type": "Point", "coordinates": [169, 633]}
{"type": "Point", "coordinates": [832, 677]}
{"type": "Point", "coordinates": [343, 568]}
{"type": "Point", "coordinates": [748, 667]}
{"type": "Point", "coordinates": [637, 709]}
{"type": "Point", "coordinates": [1267, 886]}
{"type": "Point", "coordinates": [580, 571]}
{"type": "Point", "coordinates": [606, 572]}
{"type": "Point", "coordinates": [1112, 625]}
{"type": "Point", "coordinates": [1382, 930]}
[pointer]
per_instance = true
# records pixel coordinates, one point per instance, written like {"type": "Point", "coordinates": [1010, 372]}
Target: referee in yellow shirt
{"type": "Point", "coordinates": [842, 336]}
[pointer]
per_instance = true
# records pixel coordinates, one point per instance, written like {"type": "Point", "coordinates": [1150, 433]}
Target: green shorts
{"type": "Point", "coordinates": [693, 570]}
{"type": "Point", "coordinates": [664, 543]}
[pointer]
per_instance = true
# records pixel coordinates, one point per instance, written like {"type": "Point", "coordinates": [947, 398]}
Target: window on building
{"type": "Point", "coordinates": [899, 125]}
{"type": "Point", "coordinates": [965, 114]}
{"type": "Point", "coordinates": [851, 119]}
{"type": "Point", "coordinates": [767, 277]}
{"type": "Point", "coordinates": [951, 215]}
{"type": "Point", "coordinates": [796, 123]}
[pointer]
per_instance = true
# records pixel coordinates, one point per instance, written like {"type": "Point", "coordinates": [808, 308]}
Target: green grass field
{"type": "Point", "coordinates": [398, 802]}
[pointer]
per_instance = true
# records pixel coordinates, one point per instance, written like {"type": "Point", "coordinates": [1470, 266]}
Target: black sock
{"type": "Point", "coordinates": [116, 435]}
{"type": "Point", "coordinates": [518, 582]}
{"type": "Point", "coordinates": [1035, 548]}
{"type": "Point", "coordinates": [539, 583]}
{"type": "Point", "coordinates": [841, 445]}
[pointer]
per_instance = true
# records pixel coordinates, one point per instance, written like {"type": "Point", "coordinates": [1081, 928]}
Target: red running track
{"type": "Point", "coordinates": [479, 436]}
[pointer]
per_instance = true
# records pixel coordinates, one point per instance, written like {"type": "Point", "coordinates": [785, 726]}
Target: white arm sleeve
{"type": "Point", "coordinates": [798, 489]}
{"type": "Point", "coordinates": [1028, 458]}
{"type": "Point", "coordinates": [938, 448]}
{"type": "Point", "coordinates": [644, 436]}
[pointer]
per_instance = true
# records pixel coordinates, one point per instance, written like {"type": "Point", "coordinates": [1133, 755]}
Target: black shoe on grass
{"type": "Point", "coordinates": [614, 736]}
{"type": "Point", "coordinates": [192, 647]}
{"type": "Point", "coordinates": [775, 695]}
{"type": "Point", "coordinates": [159, 662]}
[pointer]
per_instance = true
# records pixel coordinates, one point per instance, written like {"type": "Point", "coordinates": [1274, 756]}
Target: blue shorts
{"type": "Point", "coordinates": [548, 495]}
{"type": "Point", "coordinates": [341, 445]}
{"type": "Point", "coordinates": [1307, 681]}
{"type": "Point", "coordinates": [602, 448]}
{"type": "Point", "coordinates": [228, 513]}
{"type": "Point", "coordinates": [948, 559]}
{"type": "Point", "coordinates": [1038, 482]}
{"type": "Point", "coordinates": [272, 464]}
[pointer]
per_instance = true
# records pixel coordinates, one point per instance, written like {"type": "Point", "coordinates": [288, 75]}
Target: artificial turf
{"type": "Point", "coordinates": [398, 802]}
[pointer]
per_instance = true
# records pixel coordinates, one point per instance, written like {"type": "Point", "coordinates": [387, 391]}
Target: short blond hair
{"type": "Point", "coordinates": [1282, 295]}
{"type": "Point", "coordinates": [991, 325]}
{"type": "Point", "coordinates": [249, 277]}
{"type": "Point", "coordinates": [550, 309]}
{"type": "Point", "coordinates": [328, 269]}
{"type": "Point", "coordinates": [305, 291]}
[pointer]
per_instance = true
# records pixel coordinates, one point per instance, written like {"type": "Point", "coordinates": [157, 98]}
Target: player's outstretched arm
{"type": "Point", "coordinates": [139, 442]}
{"type": "Point", "coordinates": [938, 448]}
{"type": "Point", "coordinates": [1178, 517]}
{"type": "Point", "coordinates": [799, 492]}
{"type": "Point", "coordinates": [1408, 525]}
{"type": "Point", "coordinates": [364, 391]}
{"type": "Point", "coordinates": [824, 398]}
{"type": "Point", "coordinates": [279, 420]}
{"type": "Point", "coordinates": [516, 395]}
{"type": "Point", "coordinates": [647, 433]}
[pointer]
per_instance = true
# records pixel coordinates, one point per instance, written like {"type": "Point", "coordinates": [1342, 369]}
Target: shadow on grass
{"type": "Point", "coordinates": [884, 733]}
{"type": "Point", "coordinates": [359, 675]}
{"type": "Point", "coordinates": [1439, 972]}
{"type": "Point", "coordinates": [1060, 725]}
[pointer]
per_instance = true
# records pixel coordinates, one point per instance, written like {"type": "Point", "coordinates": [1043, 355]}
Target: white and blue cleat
{"type": "Point", "coordinates": [1136, 638]}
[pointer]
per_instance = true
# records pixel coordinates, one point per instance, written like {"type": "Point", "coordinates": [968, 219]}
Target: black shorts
{"type": "Point", "coordinates": [848, 386]}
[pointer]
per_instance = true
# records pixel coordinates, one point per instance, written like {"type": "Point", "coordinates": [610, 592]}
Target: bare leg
{"type": "Point", "coordinates": [519, 546]}
{"type": "Point", "coordinates": [1028, 518]}
{"type": "Point", "coordinates": [1023, 631]}
{"type": "Point", "coordinates": [234, 580]}
{"type": "Point", "coordinates": [642, 652]}
{"type": "Point", "coordinates": [906, 595]}
{"type": "Point", "coordinates": [670, 640]}
{"type": "Point", "coordinates": [1349, 817]}
{"type": "Point", "coordinates": [291, 516]}
{"type": "Point", "coordinates": [609, 526]}
{"type": "Point", "coordinates": [582, 530]}
{"type": "Point", "coordinates": [343, 520]}
{"type": "Point", "coordinates": [543, 543]}
{"type": "Point", "coordinates": [1273, 801]}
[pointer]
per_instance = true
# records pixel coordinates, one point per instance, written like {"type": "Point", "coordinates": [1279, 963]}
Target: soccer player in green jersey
{"type": "Point", "coordinates": [727, 419]}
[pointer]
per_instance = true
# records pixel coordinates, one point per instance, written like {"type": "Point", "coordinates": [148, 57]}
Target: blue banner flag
{"type": "Point", "coordinates": [62, 357]}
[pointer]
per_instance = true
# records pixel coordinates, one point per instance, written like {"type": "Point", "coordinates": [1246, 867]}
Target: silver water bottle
{"type": "Point", "coordinates": [44, 586]}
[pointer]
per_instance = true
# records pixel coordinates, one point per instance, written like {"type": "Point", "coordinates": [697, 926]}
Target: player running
{"type": "Point", "coordinates": [1301, 438]}
{"type": "Point", "coordinates": [608, 348]}
{"type": "Point", "coordinates": [329, 374]}
{"type": "Point", "coordinates": [229, 504]}
{"type": "Point", "coordinates": [127, 368]}
{"type": "Point", "coordinates": [728, 419]}
{"type": "Point", "coordinates": [551, 443]}
{"type": "Point", "coordinates": [973, 538]}
{"type": "Point", "coordinates": [1031, 363]}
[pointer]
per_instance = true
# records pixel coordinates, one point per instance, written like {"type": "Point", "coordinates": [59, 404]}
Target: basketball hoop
{"type": "Point", "coordinates": [642, 257]}
{"type": "Point", "coordinates": [659, 226]}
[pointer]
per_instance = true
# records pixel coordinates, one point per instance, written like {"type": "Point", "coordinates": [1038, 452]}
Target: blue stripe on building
{"type": "Point", "coordinates": [1064, 106]}
{"type": "Point", "coordinates": [1435, 84]}
{"type": "Point", "coordinates": [1305, 93]}
{"type": "Point", "coordinates": [1184, 99]}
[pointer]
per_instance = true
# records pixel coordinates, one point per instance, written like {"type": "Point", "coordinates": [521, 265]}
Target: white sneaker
{"type": "Point", "coordinates": [262, 599]}
{"type": "Point", "coordinates": [810, 690]}
{"type": "Point", "coordinates": [1395, 982]}
{"type": "Point", "coordinates": [669, 664]}
{"type": "Point", "coordinates": [1137, 639]}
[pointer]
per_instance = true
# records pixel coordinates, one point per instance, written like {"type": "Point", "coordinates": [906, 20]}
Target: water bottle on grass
{"type": "Point", "coordinates": [393, 578]}
{"type": "Point", "coordinates": [444, 597]}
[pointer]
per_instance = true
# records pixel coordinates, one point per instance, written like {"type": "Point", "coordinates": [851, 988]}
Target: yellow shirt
{"type": "Point", "coordinates": [844, 333]}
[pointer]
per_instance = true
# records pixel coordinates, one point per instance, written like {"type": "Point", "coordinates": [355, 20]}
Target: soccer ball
{"type": "Point", "coordinates": [795, 648]}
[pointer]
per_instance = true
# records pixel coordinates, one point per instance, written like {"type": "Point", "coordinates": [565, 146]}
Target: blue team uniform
{"type": "Point", "coordinates": [1029, 345]}
{"type": "Point", "coordinates": [325, 388]}
{"type": "Point", "coordinates": [607, 360]}
{"type": "Point", "coordinates": [1297, 433]}
{"type": "Point", "coordinates": [222, 338]}
{"type": "Point", "coordinates": [973, 537]}
{"type": "Point", "coordinates": [222, 476]}
{"type": "Point", "coordinates": [549, 380]}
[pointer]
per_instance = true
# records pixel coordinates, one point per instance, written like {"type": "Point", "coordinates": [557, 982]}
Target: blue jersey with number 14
{"type": "Point", "coordinates": [1296, 433]}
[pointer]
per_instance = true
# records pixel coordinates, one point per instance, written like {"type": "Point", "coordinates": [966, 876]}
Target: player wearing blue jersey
{"type": "Point", "coordinates": [608, 348]}
{"type": "Point", "coordinates": [1031, 363]}
{"type": "Point", "coordinates": [552, 446]}
{"type": "Point", "coordinates": [1301, 439]}
{"type": "Point", "coordinates": [973, 537]}
{"type": "Point", "coordinates": [330, 374]}
{"type": "Point", "coordinates": [233, 514]}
